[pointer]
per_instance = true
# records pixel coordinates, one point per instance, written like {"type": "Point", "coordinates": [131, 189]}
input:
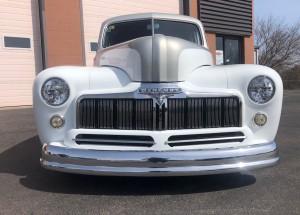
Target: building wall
{"type": "Point", "coordinates": [228, 27]}
{"type": "Point", "coordinates": [18, 67]}
{"type": "Point", "coordinates": [68, 28]}
{"type": "Point", "coordinates": [95, 12]}
{"type": "Point", "coordinates": [63, 32]}
{"type": "Point", "coordinates": [211, 40]}
{"type": "Point", "coordinates": [193, 4]}
{"type": "Point", "coordinates": [71, 25]}
{"type": "Point", "coordinates": [249, 50]}
{"type": "Point", "coordinates": [227, 17]}
{"type": "Point", "coordinates": [249, 43]}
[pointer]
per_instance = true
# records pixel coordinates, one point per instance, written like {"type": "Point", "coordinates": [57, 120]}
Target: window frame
{"type": "Point", "coordinates": [113, 23]}
{"type": "Point", "coordinates": [241, 43]}
{"type": "Point", "coordinates": [200, 38]}
{"type": "Point", "coordinates": [30, 37]}
{"type": "Point", "coordinates": [90, 42]}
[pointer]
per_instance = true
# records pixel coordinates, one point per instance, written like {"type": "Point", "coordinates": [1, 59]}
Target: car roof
{"type": "Point", "coordinates": [151, 16]}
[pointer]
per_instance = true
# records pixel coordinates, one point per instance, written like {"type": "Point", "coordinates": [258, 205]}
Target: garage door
{"type": "Point", "coordinates": [20, 51]}
{"type": "Point", "coordinates": [95, 12]}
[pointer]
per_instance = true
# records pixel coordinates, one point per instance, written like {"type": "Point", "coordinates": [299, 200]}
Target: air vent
{"type": "Point", "coordinates": [114, 140]}
{"type": "Point", "coordinates": [202, 139]}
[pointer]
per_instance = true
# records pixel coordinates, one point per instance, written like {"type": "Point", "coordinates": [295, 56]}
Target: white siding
{"type": "Point", "coordinates": [18, 67]}
{"type": "Point", "coordinates": [95, 12]}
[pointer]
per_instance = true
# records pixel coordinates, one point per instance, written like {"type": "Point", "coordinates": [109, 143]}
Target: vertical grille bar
{"type": "Point", "coordinates": [150, 114]}
{"type": "Point", "coordinates": [176, 114]}
{"type": "Point", "coordinates": [143, 114]}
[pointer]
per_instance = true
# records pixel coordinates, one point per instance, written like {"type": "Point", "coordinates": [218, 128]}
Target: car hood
{"type": "Point", "coordinates": [156, 58]}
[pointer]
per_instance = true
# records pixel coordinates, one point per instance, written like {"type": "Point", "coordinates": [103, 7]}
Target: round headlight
{"type": "Point", "coordinates": [261, 89]}
{"type": "Point", "coordinates": [55, 91]}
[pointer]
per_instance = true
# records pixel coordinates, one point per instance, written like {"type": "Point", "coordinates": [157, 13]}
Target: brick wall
{"type": "Point", "coordinates": [249, 50]}
{"type": "Point", "coordinates": [211, 41]}
{"type": "Point", "coordinates": [63, 32]}
{"type": "Point", "coordinates": [249, 43]}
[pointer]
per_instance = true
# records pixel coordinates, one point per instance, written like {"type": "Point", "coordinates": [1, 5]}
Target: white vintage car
{"type": "Point", "coordinates": [154, 104]}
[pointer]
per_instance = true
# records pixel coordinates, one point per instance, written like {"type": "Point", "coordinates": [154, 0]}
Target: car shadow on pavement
{"type": "Point", "coordinates": [23, 160]}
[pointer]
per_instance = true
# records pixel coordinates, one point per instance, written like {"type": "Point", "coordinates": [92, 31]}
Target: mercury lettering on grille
{"type": "Point", "coordinates": [145, 114]}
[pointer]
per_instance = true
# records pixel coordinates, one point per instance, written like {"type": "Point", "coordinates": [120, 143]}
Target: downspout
{"type": "Point", "coordinates": [82, 34]}
{"type": "Point", "coordinates": [41, 4]}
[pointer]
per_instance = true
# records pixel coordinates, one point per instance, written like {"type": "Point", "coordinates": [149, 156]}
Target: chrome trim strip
{"type": "Point", "coordinates": [77, 113]}
{"type": "Point", "coordinates": [192, 94]}
{"type": "Point", "coordinates": [136, 95]}
{"type": "Point", "coordinates": [241, 113]}
{"type": "Point", "coordinates": [113, 141]}
{"type": "Point", "coordinates": [158, 163]}
{"type": "Point", "coordinates": [206, 139]}
{"type": "Point", "coordinates": [166, 115]}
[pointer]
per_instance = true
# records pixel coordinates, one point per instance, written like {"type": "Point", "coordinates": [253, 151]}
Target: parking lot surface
{"type": "Point", "coordinates": [27, 188]}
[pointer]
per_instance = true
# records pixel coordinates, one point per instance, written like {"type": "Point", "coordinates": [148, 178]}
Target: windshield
{"type": "Point", "coordinates": [121, 32]}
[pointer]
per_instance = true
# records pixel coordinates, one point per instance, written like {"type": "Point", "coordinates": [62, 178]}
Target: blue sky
{"type": "Point", "coordinates": [287, 9]}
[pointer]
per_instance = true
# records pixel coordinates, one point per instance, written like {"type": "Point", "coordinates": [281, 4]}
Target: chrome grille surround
{"type": "Point", "coordinates": [169, 109]}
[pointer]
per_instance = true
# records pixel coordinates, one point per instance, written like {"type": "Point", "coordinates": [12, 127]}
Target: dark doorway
{"type": "Point", "coordinates": [229, 50]}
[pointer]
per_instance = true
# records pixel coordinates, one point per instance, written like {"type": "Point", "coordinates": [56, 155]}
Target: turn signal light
{"type": "Point", "coordinates": [260, 119]}
{"type": "Point", "coordinates": [57, 121]}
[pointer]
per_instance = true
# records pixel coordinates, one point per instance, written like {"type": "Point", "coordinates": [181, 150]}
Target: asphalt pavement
{"type": "Point", "coordinates": [27, 188]}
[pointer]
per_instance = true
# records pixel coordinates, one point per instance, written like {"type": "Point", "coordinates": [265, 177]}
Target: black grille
{"type": "Point", "coordinates": [140, 114]}
{"type": "Point", "coordinates": [127, 114]}
{"type": "Point", "coordinates": [194, 113]}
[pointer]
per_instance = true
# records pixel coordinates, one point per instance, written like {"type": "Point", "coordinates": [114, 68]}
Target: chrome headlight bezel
{"type": "Point", "coordinates": [264, 93]}
{"type": "Point", "coordinates": [62, 90]}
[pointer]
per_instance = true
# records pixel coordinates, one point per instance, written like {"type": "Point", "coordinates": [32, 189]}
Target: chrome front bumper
{"type": "Point", "coordinates": [155, 163]}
